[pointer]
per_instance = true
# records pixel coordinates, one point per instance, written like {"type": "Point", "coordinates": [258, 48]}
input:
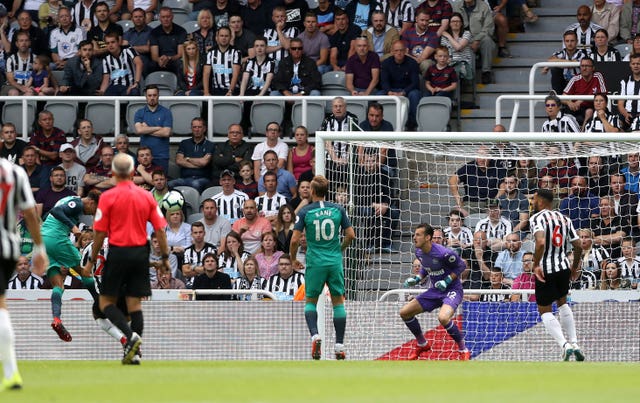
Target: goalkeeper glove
{"type": "Point", "coordinates": [411, 281]}
{"type": "Point", "coordinates": [443, 284]}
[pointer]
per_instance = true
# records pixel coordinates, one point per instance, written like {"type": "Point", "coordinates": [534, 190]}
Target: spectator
{"type": "Point", "coordinates": [360, 11]}
{"type": "Point", "coordinates": [480, 179]}
{"type": "Point", "coordinates": [47, 139]}
{"type": "Point", "coordinates": [501, 21]}
{"type": "Point", "coordinates": [480, 258]}
{"type": "Point", "coordinates": [525, 280]}
{"type": "Point", "coordinates": [48, 15]}
{"type": "Point", "coordinates": [165, 281]}
{"type": "Point", "coordinates": [190, 77]}
{"type": "Point", "coordinates": [629, 262]}
{"type": "Point", "coordinates": [37, 38]}
{"type": "Point", "coordinates": [221, 72]}
{"type": "Point", "coordinates": [285, 283]}
{"type": "Point", "coordinates": [64, 41]}
{"type": "Point", "coordinates": [82, 73]}
{"type": "Point", "coordinates": [629, 28]}
{"type": "Point", "coordinates": [144, 169]}
{"type": "Point", "coordinates": [593, 256]}
{"type": "Point", "coordinates": [362, 71]}
{"type": "Point", "coordinates": [153, 123]}
{"type": "Point", "coordinates": [315, 43]}
{"type": "Point", "coordinates": [569, 53]}
{"type": "Point", "coordinates": [457, 235]}
{"type": "Point", "coordinates": [303, 197]}
{"type": "Point", "coordinates": [84, 14]}
{"type": "Point", "coordinates": [212, 279]}
{"type": "Point", "coordinates": [19, 68]}
{"type": "Point", "coordinates": [138, 38]}
{"type": "Point", "coordinates": [40, 81]}
{"type": "Point", "coordinates": [98, 33]}
{"type": "Point", "coordinates": [74, 171]}
{"type": "Point", "coordinates": [99, 176]}
{"type": "Point", "coordinates": [250, 280]}
{"type": "Point", "coordinates": [631, 172]}
{"type": "Point", "coordinates": [557, 121]}
{"type": "Point", "coordinates": [587, 83]}
{"type": "Point", "coordinates": [279, 37]}
{"type": "Point", "coordinates": [283, 227]}
{"type": "Point", "coordinates": [342, 40]}
{"type": "Point", "coordinates": [421, 43]}
{"type": "Point", "coordinates": [12, 147]}
{"type": "Point", "coordinates": [251, 226]}
{"type": "Point", "coordinates": [478, 17]}
{"type": "Point", "coordinates": [386, 159]}
{"type": "Point", "coordinates": [232, 259]}
{"type": "Point", "coordinates": [496, 282]}
{"type": "Point", "coordinates": [231, 153]}
{"type": "Point", "coordinates": [513, 204]}
{"type": "Point", "coordinates": [510, 260]}
{"type": "Point", "coordinates": [584, 28]}
{"type": "Point", "coordinates": [581, 206]}
{"type": "Point", "coordinates": [400, 75]}
{"type": "Point", "coordinates": [297, 74]}
{"type": "Point", "coordinates": [194, 157]}
{"type": "Point", "coordinates": [88, 145]}
{"type": "Point", "coordinates": [160, 188]}
{"type": "Point", "coordinates": [607, 15]}
{"type": "Point", "coordinates": [337, 152]}
{"type": "Point", "coordinates": [630, 109]}
{"type": "Point", "coordinates": [560, 171]}
{"type": "Point", "coordinates": [166, 42]}
{"type": "Point", "coordinates": [295, 11]}
{"type": "Point", "coordinates": [178, 234]}
{"type": "Point", "coordinates": [258, 72]}
{"type": "Point", "coordinates": [380, 35]}
{"type": "Point", "coordinates": [33, 169]}
{"type": "Point", "coordinates": [268, 255]}
{"type": "Point", "coordinates": [441, 78]}
{"type": "Point", "coordinates": [526, 172]}
{"type": "Point", "coordinates": [495, 226]}
{"type": "Point", "coordinates": [602, 120]}
{"type": "Point", "coordinates": [247, 184]}
{"type": "Point", "coordinates": [241, 39]}
{"type": "Point", "coordinates": [611, 278]}
{"type": "Point", "coordinates": [193, 263]}
{"type": "Point", "coordinates": [230, 201]}
{"type": "Point", "coordinates": [205, 35]}
{"type": "Point", "coordinates": [215, 228]}
{"type": "Point", "coordinates": [299, 158]}
{"type": "Point", "coordinates": [398, 14]}
{"type": "Point", "coordinates": [155, 259]}
{"type": "Point", "coordinates": [222, 11]}
{"type": "Point", "coordinates": [122, 145]}
{"type": "Point", "coordinates": [286, 182]}
{"type": "Point", "coordinates": [325, 14]}
{"type": "Point", "coordinates": [270, 201]}
{"type": "Point", "coordinates": [272, 143]}
{"type": "Point", "coordinates": [49, 195]}
{"type": "Point", "coordinates": [608, 228]}
{"type": "Point", "coordinates": [597, 174]}
{"type": "Point", "coordinates": [625, 202]}
{"type": "Point", "coordinates": [458, 40]}
{"type": "Point", "coordinates": [635, 48]}
{"type": "Point", "coordinates": [256, 16]}
{"type": "Point", "coordinates": [121, 69]}
{"type": "Point", "coordinates": [602, 51]}
{"type": "Point", "coordinates": [24, 279]}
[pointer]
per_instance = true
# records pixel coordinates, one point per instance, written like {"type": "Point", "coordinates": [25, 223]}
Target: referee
{"type": "Point", "coordinates": [122, 216]}
{"type": "Point", "coordinates": [15, 195]}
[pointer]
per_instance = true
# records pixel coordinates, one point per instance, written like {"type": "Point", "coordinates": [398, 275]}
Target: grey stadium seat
{"type": "Point", "coordinates": [101, 115]}
{"type": "Point", "coordinates": [183, 112]}
{"type": "Point", "coordinates": [224, 114]}
{"type": "Point", "coordinates": [315, 115]}
{"type": "Point", "coordinates": [12, 113]}
{"type": "Point", "coordinates": [191, 198]}
{"type": "Point", "coordinates": [210, 192]}
{"type": "Point", "coordinates": [64, 114]}
{"type": "Point", "coordinates": [433, 114]}
{"type": "Point", "coordinates": [263, 112]}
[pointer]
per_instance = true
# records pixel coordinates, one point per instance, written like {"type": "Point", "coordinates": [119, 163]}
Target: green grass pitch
{"type": "Point", "coordinates": [325, 381]}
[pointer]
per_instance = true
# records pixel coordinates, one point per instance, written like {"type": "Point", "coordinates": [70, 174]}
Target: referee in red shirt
{"type": "Point", "coordinates": [122, 216]}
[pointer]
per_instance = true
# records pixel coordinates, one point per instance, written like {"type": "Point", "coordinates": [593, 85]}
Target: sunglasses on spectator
{"type": "Point", "coordinates": [550, 105]}
{"type": "Point", "coordinates": [296, 48]}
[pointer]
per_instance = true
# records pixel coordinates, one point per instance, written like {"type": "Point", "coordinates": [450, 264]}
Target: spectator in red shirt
{"type": "Point", "coordinates": [587, 82]}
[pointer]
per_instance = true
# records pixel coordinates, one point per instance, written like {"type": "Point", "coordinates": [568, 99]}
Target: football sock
{"type": "Point", "coordinates": [455, 334]}
{"type": "Point", "coordinates": [110, 329]}
{"type": "Point", "coordinates": [568, 324]}
{"type": "Point", "coordinates": [339, 322]}
{"type": "Point", "coordinates": [311, 316]}
{"type": "Point", "coordinates": [137, 322]}
{"type": "Point", "coordinates": [56, 301]}
{"type": "Point", "coordinates": [94, 293]}
{"type": "Point", "coordinates": [553, 328]}
{"type": "Point", "coordinates": [117, 318]}
{"type": "Point", "coordinates": [7, 348]}
{"type": "Point", "coordinates": [88, 283]}
{"type": "Point", "coordinates": [415, 328]}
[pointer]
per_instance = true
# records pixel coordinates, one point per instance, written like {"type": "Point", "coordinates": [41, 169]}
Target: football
{"type": "Point", "coordinates": [172, 201]}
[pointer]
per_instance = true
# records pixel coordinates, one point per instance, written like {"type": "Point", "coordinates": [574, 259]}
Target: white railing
{"type": "Point", "coordinates": [156, 295]}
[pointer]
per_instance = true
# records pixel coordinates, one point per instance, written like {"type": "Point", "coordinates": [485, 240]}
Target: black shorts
{"type": "Point", "coordinates": [126, 271]}
{"type": "Point", "coordinates": [7, 267]}
{"type": "Point", "coordinates": [556, 286]}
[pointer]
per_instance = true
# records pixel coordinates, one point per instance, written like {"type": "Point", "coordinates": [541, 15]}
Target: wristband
{"type": "Point", "coordinates": [448, 279]}
{"type": "Point", "coordinates": [39, 250]}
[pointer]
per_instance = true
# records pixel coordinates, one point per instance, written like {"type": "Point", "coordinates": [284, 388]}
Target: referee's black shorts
{"type": "Point", "coordinates": [7, 267]}
{"type": "Point", "coordinates": [126, 271]}
{"type": "Point", "coordinates": [556, 286]}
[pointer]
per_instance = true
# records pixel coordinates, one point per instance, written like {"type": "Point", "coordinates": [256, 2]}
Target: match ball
{"type": "Point", "coordinates": [172, 201]}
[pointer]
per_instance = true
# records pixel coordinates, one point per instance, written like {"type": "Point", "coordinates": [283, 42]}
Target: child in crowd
{"type": "Point", "coordinates": [247, 184]}
{"type": "Point", "coordinates": [39, 81]}
{"type": "Point", "coordinates": [440, 78]}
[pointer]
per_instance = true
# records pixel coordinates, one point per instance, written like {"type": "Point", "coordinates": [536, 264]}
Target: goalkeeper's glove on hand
{"type": "Point", "coordinates": [443, 284]}
{"type": "Point", "coordinates": [411, 281]}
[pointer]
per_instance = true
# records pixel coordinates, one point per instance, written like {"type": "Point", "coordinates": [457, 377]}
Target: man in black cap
{"type": "Point", "coordinates": [230, 201]}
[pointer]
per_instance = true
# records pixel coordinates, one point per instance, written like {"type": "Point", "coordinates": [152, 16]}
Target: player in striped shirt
{"type": "Point", "coordinates": [16, 195]}
{"type": "Point", "coordinates": [553, 232]}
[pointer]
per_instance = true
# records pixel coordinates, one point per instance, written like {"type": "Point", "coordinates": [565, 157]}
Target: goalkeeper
{"type": "Point", "coordinates": [63, 219]}
{"type": "Point", "coordinates": [443, 266]}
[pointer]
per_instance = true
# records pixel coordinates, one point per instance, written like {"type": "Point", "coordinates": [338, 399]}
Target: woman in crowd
{"type": "Point", "coordinates": [178, 234]}
{"type": "Point", "coordinates": [458, 41]}
{"type": "Point", "coordinates": [268, 255]}
{"type": "Point", "coordinates": [601, 51]}
{"type": "Point", "coordinates": [205, 37]}
{"type": "Point", "coordinates": [250, 280]}
{"type": "Point", "coordinates": [231, 260]}
{"type": "Point", "coordinates": [190, 78]}
{"type": "Point", "coordinates": [284, 227]}
{"type": "Point", "coordinates": [611, 280]}
{"type": "Point", "coordinates": [602, 120]}
{"type": "Point", "coordinates": [300, 155]}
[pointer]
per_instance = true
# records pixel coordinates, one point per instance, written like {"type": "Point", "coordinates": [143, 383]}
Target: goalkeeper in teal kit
{"type": "Point", "coordinates": [62, 220]}
{"type": "Point", "coordinates": [322, 220]}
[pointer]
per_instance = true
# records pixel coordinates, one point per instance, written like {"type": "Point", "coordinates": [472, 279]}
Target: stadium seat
{"type": "Point", "coordinates": [224, 114]}
{"type": "Point", "coordinates": [101, 115]}
{"type": "Point", "coordinates": [180, 16]}
{"type": "Point", "coordinates": [12, 113]}
{"type": "Point", "coordinates": [64, 114]}
{"type": "Point", "coordinates": [624, 49]}
{"type": "Point", "coordinates": [194, 217]}
{"type": "Point", "coordinates": [315, 115]}
{"type": "Point", "coordinates": [210, 192]}
{"type": "Point", "coordinates": [57, 75]}
{"type": "Point", "coordinates": [472, 220]}
{"type": "Point", "coordinates": [178, 5]}
{"type": "Point", "coordinates": [174, 170]}
{"type": "Point", "coordinates": [433, 114]}
{"type": "Point", "coordinates": [132, 107]}
{"type": "Point", "coordinates": [190, 26]}
{"type": "Point", "coordinates": [358, 108]}
{"type": "Point", "coordinates": [333, 83]}
{"type": "Point", "coordinates": [263, 112]}
{"type": "Point", "coordinates": [183, 112]}
{"type": "Point", "coordinates": [391, 111]}
{"type": "Point", "coordinates": [164, 80]}
{"type": "Point", "coordinates": [125, 24]}
{"type": "Point", "coordinates": [153, 24]}
{"type": "Point", "coordinates": [191, 198]}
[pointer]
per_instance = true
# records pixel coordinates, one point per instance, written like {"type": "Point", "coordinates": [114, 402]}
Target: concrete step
{"type": "Point", "coordinates": [528, 50]}
{"type": "Point", "coordinates": [550, 23]}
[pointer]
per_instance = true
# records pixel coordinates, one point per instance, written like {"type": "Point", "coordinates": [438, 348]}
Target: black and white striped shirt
{"type": "Point", "coordinates": [629, 269]}
{"type": "Point", "coordinates": [230, 206]}
{"type": "Point", "coordinates": [465, 236]}
{"type": "Point", "coordinates": [332, 124]}
{"type": "Point", "coordinates": [271, 35]}
{"type": "Point", "coordinates": [285, 289]}
{"type": "Point", "coordinates": [586, 38]}
{"type": "Point", "coordinates": [403, 13]}
{"type": "Point", "coordinates": [258, 72]}
{"type": "Point", "coordinates": [559, 232]}
{"type": "Point", "coordinates": [611, 55]}
{"type": "Point", "coordinates": [32, 282]}
{"type": "Point", "coordinates": [593, 261]}
{"type": "Point", "coordinates": [80, 12]}
{"type": "Point", "coordinates": [194, 258]}
{"type": "Point", "coordinates": [15, 196]}
{"type": "Point", "coordinates": [269, 206]}
{"type": "Point", "coordinates": [631, 87]}
{"type": "Point", "coordinates": [243, 283]}
{"type": "Point", "coordinates": [22, 69]}
{"type": "Point", "coordinates": [563, 123]}
{"type": "Point", "coordinates": [222, 63]}
{"type": "Point", "coordinates": [494, 231]}
{"type": "Point", "coordinates": [594, 125]}
{"type": "Point", "coordinates": [229, 264]}
{"type": "Point", "coordinates": [121, 69]}
{"type": "Point", "coordinates": [578, 55]}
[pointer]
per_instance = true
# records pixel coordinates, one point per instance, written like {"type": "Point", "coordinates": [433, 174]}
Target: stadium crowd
{"type": "Point", "coordinates": [239, 237]}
